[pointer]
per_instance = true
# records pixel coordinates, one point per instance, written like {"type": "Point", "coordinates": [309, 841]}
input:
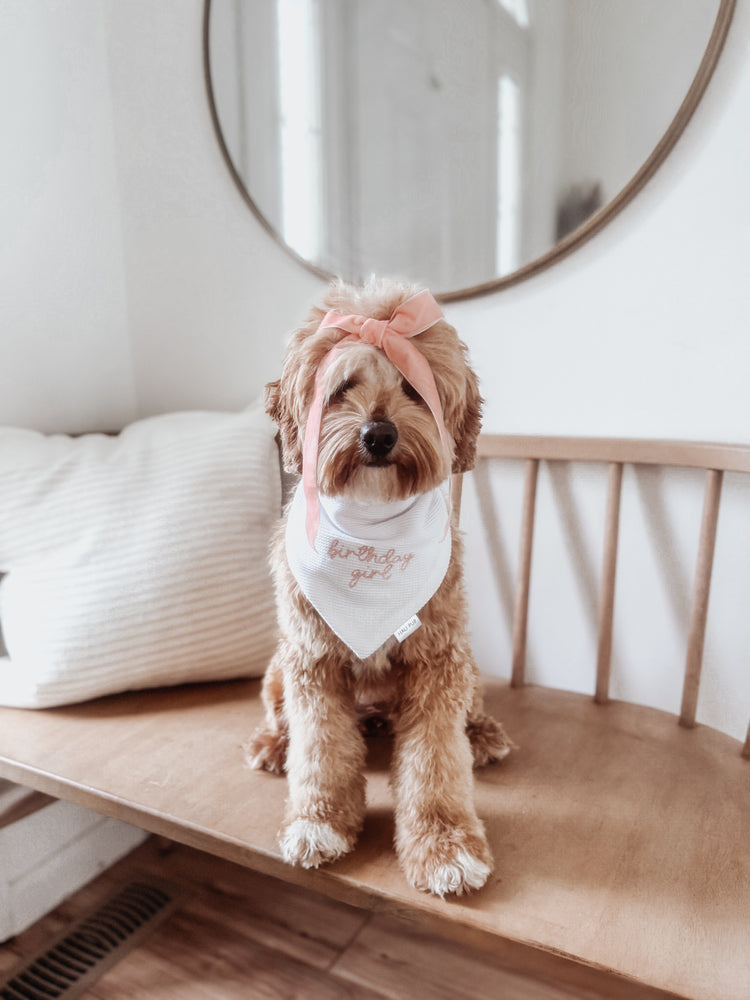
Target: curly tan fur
{"type": "Point", "coordinates": [428, 686]}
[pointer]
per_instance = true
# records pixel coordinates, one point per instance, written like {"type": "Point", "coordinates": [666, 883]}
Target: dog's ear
{"type": "Point", "coordinates": [276, 403]}
{"type": "Point", "coordinates": [458, 386]}
{"type": "Point", "coordinates": [287, 398]}
{"type": "Point", "coordinates": [468, 425]}
{"type": "Point", "coordinates": [271, 399]}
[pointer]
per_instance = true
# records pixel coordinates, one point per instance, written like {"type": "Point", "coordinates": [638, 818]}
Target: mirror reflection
{"type": "Point", "coordinates": [449, 141]}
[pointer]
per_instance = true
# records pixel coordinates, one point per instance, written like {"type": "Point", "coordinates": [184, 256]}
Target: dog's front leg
{"type": "Point", "coordinates": [440, 840]}
{"type": "Point", "coordinates": [325, 761]}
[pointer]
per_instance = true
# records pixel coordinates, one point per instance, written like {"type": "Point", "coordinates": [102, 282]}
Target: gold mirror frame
{"type": "Point", "coordinates": [568, 244]}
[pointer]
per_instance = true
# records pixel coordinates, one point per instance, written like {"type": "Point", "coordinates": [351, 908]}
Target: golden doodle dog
{"type": "Point", "coordinates": [376, 407]}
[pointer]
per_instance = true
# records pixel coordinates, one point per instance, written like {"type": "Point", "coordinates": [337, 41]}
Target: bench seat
{"type": "Point", "coordinates": [621, 840]}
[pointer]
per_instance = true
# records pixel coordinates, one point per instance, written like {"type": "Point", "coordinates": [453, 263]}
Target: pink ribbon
{"type": "Point", "coordinates": [393, 337]}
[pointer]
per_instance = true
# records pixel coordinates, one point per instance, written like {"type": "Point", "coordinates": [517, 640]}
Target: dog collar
{"type": "Point", "coordinates": [374, 566]}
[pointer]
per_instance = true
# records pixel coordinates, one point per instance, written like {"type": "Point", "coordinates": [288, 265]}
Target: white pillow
{"type": "Point", "coordinates": [138, 560]}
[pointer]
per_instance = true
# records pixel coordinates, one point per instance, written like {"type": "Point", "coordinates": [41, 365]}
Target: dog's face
{"type": "Point", "coordinates": [378, 438]}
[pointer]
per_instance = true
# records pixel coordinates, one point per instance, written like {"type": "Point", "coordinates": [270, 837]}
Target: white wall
{"type": "Point", "coordinates": [137, 281]}
{"type": "Point", "coordinates": [210, 295]}
{"type": "Point", "coordinates": [64, 337]}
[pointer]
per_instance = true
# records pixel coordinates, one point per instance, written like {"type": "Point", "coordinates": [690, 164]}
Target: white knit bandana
{"type": "Point", "coordinates": [374, 566]}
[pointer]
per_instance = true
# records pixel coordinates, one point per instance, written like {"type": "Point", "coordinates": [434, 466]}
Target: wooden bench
{"type": "Point", "coordinates": [621, 839]}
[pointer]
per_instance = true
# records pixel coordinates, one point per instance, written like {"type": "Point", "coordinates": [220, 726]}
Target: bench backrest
{"type": "Point", "coordinates": [715, 460]}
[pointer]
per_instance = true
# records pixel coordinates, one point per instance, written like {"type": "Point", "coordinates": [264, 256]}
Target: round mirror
{"type": "Point", "coordinates": [464, 144]}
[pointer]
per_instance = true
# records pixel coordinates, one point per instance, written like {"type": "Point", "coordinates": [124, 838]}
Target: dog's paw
{"type": "Point", "coordinates": [309, 844]}
{"type": "Point", "coordinates": [443, 865]}
{"type": "Point", "coordinates": [489, 741]}
{"type": "Point", "coordinates": [266, 751]}
{"type": "Point", "coordinates": [461, 874]}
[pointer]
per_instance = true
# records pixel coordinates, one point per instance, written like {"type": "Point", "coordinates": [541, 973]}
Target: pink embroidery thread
{"type": "Point", "coordinates": [388, 560]}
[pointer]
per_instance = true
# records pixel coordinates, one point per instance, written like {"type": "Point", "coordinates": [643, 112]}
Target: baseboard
{"type": "Point", "coordinates": [48, 850]}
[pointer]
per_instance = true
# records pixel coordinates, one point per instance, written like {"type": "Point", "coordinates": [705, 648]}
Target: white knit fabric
{"type": "Point", "coordinates": [374, 565]}
{"type": "Point", "coordinates": [138, 560]}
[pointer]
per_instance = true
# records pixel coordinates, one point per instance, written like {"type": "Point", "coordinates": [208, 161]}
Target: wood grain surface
{"type": "Point", "coordinates": [239, 935]}
{"type": "Point", "coordinates": [620, 839]}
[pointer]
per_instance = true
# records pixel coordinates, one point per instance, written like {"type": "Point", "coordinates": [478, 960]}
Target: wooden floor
{"type": "Point", "coordinates": [243, 935]}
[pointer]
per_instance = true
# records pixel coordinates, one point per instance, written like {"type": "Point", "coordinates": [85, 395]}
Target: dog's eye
{"type": "Point", "coordinates": [411, 392]}
{"type": "Point", "coordinates": [341, 390]}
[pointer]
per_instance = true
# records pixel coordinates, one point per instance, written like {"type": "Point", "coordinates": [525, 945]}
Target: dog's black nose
{"type": "Point", "coordinates": [378, 437]}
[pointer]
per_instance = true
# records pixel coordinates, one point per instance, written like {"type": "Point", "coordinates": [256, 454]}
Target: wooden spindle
{"type": "Point", "coordinates": [606, 608]}
{"type": "Point", "coordinates": [521, 611]}
{"type": "Point", "coordinates": [697, 634]}
{"type": "Point", "coordinates": [746, 748]}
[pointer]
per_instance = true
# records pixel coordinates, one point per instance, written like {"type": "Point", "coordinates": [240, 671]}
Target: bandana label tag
{"type": "Point", "coordinates": [405, 630]}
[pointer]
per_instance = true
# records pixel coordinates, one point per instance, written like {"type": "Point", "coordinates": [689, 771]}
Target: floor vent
{"type": "Point", "coordinates": [68, 967]}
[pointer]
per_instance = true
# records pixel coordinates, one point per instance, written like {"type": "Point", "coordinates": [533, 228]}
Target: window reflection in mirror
{"type": "Point", "coordinates": [451, 141]}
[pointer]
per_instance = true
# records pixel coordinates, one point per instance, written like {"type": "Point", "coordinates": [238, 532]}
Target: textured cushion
{"type": "Point", "coordinates": [138, 560]}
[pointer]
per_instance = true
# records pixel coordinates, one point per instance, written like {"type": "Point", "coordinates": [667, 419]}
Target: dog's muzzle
{"type": "Point", "coordinates": [378, 438]}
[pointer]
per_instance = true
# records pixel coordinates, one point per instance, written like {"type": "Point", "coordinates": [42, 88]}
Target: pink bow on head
{"type": "Point", "coordinates": [392, 336]}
